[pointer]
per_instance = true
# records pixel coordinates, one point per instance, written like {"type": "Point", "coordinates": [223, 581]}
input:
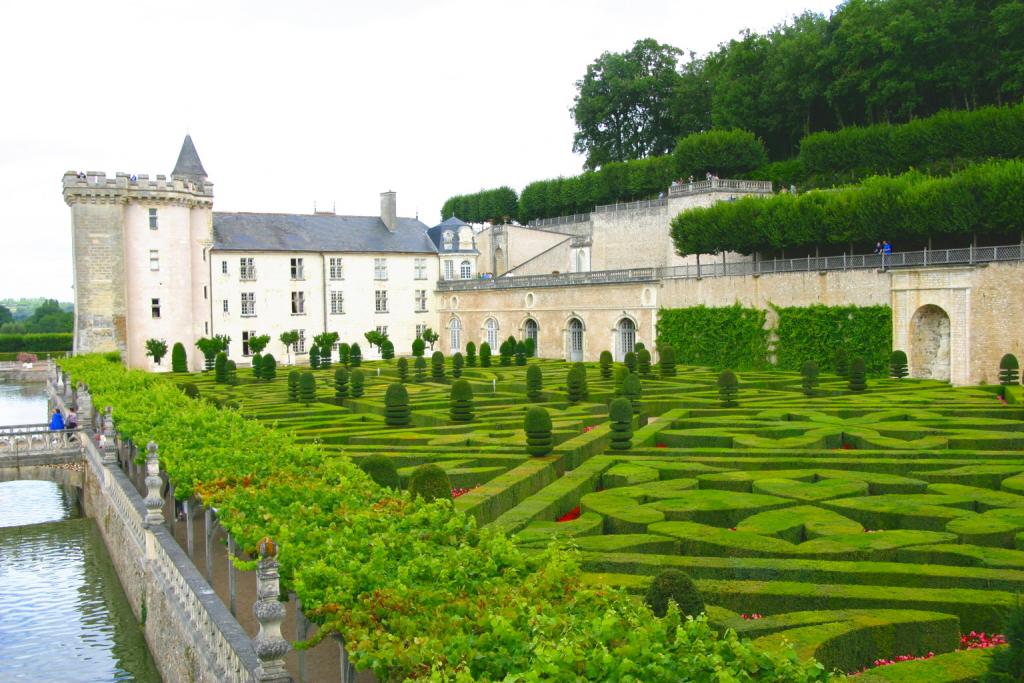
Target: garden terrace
{"type": "Point", "coordinates": [860, 526]}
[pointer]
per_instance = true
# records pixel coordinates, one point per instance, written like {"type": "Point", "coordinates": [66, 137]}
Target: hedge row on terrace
{"type": "Point", "coordinates": [984, 200]}
{"type": "Point", "coordinates": [531, 613]}
{"type": "Point", "coordinates": [54, 341]}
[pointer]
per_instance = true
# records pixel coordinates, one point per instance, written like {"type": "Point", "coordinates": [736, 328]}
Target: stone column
{"type": "Point", "coordinates": [154, 501]}
{"type": "Point", "coordinates": [85, 414]}
{"type": "Point", "coordinates": [108, 441]}
{"type": "Point", "coordinates": [269, 645]}
{"type": "Point", "coordinates": [66, 382]}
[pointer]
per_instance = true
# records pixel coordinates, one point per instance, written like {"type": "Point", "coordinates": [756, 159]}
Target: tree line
{"type": "Point", "coordinates": [871, 61]}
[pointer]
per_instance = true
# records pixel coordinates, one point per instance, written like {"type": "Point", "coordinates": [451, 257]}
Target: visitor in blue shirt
{"type": "Point", "coordinates": [56, 421]}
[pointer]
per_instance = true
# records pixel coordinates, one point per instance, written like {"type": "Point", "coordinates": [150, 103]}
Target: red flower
{"type": "Point", "coordinates": [570, 515]}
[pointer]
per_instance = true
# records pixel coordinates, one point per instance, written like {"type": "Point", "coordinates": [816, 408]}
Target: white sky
{"type": "Point", "coordinates": [291, 102]}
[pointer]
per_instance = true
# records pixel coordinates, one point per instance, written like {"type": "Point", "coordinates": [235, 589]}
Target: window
{"type": "Point", "coordinates": [421, 300]}
{"type": "Point", "coordinates": [381, 301]}
{"type": "Point", "coordinates": [454, 332]}
{"type": "Point", "coordinates": [492, 333]}
{"type": "Point", "coordinates": [248, 304]}
{"type": "Point", "coordinates": [421, 269]}
{"type": "Point", "coordinates": [380, 269]}
{"type": "Point", "coordinates": [532, 332]}
{"type": "Point", "coordinates": [300, 345]}
{"type": "Point", "coordinates": [155, 307]}
{"type": "Point", "coordinates": [298, 303]}
{"type": "Point", "coordinates": [382, 330]}
{"type": "Point", "coordinates": [337, 302]}
{"type": "Point", "coordinates": [224, 267]}
{"type": "Point", "coordinates": [447, 238]}
{"type": "Point", "coordinates": [152, 219]}
{"type": "Point", "coordinates": [449, 270]}
{"type": "Point", "coordinates": [420, 329]}
{"type": "Point", "coordinates": [296, 264]}
{"type": "Point", "coordinates": [335, 268]}
{"type": "Point", "coordinates": [225, 303]}
{"type": "Point", "coordinates": [154, 259]}
{"type": "Point", "coordinates": [246, 268]}
{"type": "Point", "coordinates": [246, 336]}
{"type": "Point", "coordinates": [465, 270]}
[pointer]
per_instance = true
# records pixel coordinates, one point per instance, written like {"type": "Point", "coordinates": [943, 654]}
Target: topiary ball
{"type": "Point", "coordinates": [431, 483]}
{"type": "Point", "coordinates": [674, 585]}
{"type": "Point", "coordinates": [382, 470]}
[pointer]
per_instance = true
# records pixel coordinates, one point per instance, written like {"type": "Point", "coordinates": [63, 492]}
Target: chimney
{"type": "Point", "coordinates": [388, 210]}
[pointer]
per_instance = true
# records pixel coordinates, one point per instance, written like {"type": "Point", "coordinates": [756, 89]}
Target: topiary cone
{"type": "Point", "coordinates": [620, 413]}
{"type": "Point", "coordinates": [537, 424]}
{"type": "Point", "coordinates": [396, 405]}
{"type": "Point", "coordinates": [461, 399]}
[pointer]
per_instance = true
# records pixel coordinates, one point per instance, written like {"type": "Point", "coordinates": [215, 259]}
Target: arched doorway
{"type": "Point", "coordinates": [491, 328]}
{"type": "Point", "coordinates": [532, 331]}
{"type": "Point", "coordinates": [929, 343]}
{"type": "Point", "coordinates": [575, 340]}
{"type": "Point", "coordinates": [626, 332]}
{"type": "Point", "coordinates": [455, 334]}
{"type": "Point", "coordinates": [500, 265]}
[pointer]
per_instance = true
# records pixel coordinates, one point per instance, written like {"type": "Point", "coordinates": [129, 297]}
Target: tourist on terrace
{"type": "Point", "coordinates": [878, 247]}
{"type": "Point", "coordinates": [56, 421]}
{"type": "Point", "coordinates": [72, 421]}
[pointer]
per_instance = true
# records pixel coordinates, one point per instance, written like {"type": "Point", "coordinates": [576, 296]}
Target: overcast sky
{"type": "Point", "coordinates": [307, 100]}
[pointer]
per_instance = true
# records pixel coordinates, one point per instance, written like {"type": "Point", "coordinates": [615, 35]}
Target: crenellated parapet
{"type": "Point", "coordinates": [95, 187]}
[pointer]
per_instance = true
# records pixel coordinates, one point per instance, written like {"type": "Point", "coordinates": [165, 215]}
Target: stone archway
{"type": "Point", "coordinates": [929, 343]}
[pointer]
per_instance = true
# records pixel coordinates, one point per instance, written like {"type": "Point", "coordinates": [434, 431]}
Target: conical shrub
{"type": "Point", "coordinates": [620, 413]}
{"type": "Point", "coordinates": [534, 382]}
{"type": "Point", "coordinates": [457, 362]}
{"type": "Point", "coordinates": [402, 367]}
{"type": "Point", "coordinates": [485, 355]}
{"type": "Point", "coordinates": [382, 470]}
{"type": "Point", "coordinates": [674, 585]}
{"type": "Point", "coordinates": [858, 375]}
{"type": "Point", "coordinates": [621, 373]}
{"type": "Point", "coordinates": [268, 368]}
{"type": "Point", "coordinates": [357, 383]}
{"type": "Point", "coordinates": [314, 357]}
{"type": "Point", "coordinates": [471, 354]}
{"type": "Point", "coordinates": [841, 361]}
{"type": "Point", "coordinates": [630, 360]}
{"type": "Point", "coordinates": [220, 368]}
{"type": "Point", "coordinates": [809, 377]}
{"type": "Point", "coordinates": [537, 424]}
{"type": "Point", "coordinates": [520, 353]}
{"type": "Point", "coordinates": [355, 356]}
{"type": "Point", "coordinates": [340, 383]}
{"type": "Point", "coordinates": [257, 363]}
{"type": "Point", "coordinates": [605, 363]}
{"type": "Point", "coordinates": [643, 362]}
{"type": "Point", "coordinates": [728, 389]}
{"type": "Point", "coordinates": [667, 360]}
{"type": "Point", "coordinates": [431, 483]}
{"type": "Point", "coordinates": [387, 349]}
{"type": "Point", "coordinates": [420, 365]}
{"type": "Point", "coordinates": [179, 359]}
{"type": "Point", "coordinates": [898, 365]}
{"type": "Point", "coordinates": [307, 388]}
{"type": "Point", "coordinates": [632, 391]}
{"type": "Point", "coordinates": [576, 384]}
{"type": "Point", "coordinates": [293, 385]}
{"type": "Point", "coordinates": [461, 401]}
{"type": "Point", "coordinates": [396, 405]}
{"type": "Point", "coordinates": [437, 366]}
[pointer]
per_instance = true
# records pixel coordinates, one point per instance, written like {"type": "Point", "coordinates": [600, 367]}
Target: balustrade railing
{"type": "Point", "coordinates": [559, 220]}
{"type": "Point", "coordinates": [715, 267]}
{"type": "Point", "coordinates": [632, 206]}
{"type": "Point", "coordinates": [720, 184]}
{"type": "Point", "coordinates": [38, 439]}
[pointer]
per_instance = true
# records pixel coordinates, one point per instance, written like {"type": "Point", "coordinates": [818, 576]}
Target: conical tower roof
{"type": "Point", "coordinates": [189, 165]}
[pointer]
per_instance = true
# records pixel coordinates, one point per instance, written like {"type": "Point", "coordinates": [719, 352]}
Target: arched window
{"type": "Point", "coordinates": [491, 326]}
{"type": "Point", "coordinates": [447, 239]}
{"type": "Point", "coordinates": [575, 340]}
{"type": "Point", "coordinates": [581, 261]}
{"type": "Point", "coordinates": [455, 334]}
{"type": "Point", "coordinates": [465, 270]}
{"type": "Point", "coordinates": [531, 330]}
{"type": "Point", "coordinates": [627, 337]}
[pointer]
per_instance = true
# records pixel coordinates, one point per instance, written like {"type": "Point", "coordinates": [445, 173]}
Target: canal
{"type": "Point", "coordinates": [64, 617]}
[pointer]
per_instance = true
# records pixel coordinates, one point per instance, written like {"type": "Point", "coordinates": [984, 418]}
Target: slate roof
{"type": "Point", "coordinates": [452, 224]}
{"type": "Point", "coordinates": [188, 163]}
{"type": "Point", "coordinates": [319, 232]}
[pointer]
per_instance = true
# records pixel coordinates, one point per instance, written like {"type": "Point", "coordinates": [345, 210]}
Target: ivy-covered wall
{"type": "Point", "coordinates": [735, 336]}
{"type": "Point", "coordinates": [816, 332]}
{"type": "Point", "coordinates": [721, 337]}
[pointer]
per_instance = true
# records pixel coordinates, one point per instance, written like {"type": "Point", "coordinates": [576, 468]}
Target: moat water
{"type": "Point", "coordinates": [64, 617]}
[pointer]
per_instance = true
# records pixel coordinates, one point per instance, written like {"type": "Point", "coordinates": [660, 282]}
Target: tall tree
{"type": "Point", "coordinates": [623, 104]}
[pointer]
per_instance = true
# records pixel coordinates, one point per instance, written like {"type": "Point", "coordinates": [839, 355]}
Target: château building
{"type": "Point", "coordinates": [152, 259]}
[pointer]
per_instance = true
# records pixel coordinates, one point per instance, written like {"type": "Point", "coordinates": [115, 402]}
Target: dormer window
{"type": "Point", "coordinates": [448, 237]}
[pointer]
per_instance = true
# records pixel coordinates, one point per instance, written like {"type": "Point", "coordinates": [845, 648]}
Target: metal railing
{"type": "Point", "coordinates": [559, 220]}
{"type": "Point", "coordinates": [961, 256]}
{"type": "Point", "coordinates": [720, 184]}
{"type": "Point", "coordinates": [632, 206]}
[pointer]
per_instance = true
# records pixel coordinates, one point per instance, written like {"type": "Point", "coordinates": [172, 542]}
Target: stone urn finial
{"type": "Point", "coordinates": [269, 644]}
{"type": "Point", "coordinates": [154, 501]}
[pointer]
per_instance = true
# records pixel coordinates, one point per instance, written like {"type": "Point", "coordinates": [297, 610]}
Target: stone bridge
{"type": "Point", "coordinates": [35, 452]}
